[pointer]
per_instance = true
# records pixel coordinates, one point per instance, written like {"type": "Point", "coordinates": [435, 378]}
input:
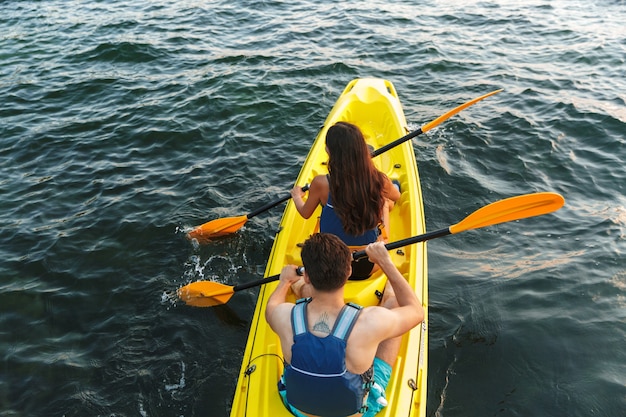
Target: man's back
{"type": "Point", "coordinates": [375, 335]}
{"type": "Point", "coordinates": [318, 364]}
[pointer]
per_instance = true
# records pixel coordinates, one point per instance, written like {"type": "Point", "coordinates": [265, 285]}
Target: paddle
{"type": "Point", "coordinates": [209, 293]}
{"type": "Point", "coordinates": [229, 225]}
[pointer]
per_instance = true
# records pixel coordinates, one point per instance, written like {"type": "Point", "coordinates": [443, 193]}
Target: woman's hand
{"type": "Point", "coordinates": [297, 193]}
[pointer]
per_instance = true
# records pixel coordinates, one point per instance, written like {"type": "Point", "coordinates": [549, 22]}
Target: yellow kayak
{"type": "Point", "coordinates": [372, 105]}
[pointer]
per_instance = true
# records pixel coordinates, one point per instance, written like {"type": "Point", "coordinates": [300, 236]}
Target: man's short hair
{"type": "Point", "coordinates": [327, 261]}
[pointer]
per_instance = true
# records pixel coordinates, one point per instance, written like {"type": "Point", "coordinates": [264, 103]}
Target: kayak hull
{"type": "Point", "coordinates": [374, 106]}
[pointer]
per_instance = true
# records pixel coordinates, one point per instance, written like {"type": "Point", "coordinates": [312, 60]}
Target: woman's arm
{"type": "Point", "coordinates": [391, 192]}
{"type": "Point", "coordinates": [318, 195]}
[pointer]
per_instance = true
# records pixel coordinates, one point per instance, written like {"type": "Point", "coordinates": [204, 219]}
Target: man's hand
{"type": "Point", "coordinates": [288, 275]}
{"type": "Point", "coordinates": [377, 253]}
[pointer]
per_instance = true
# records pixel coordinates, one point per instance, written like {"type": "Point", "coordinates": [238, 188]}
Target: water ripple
{"type": "Point", "coordinates": [123, 125]}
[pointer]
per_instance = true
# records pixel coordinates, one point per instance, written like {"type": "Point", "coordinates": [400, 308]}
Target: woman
{"type": "Point", "coordinates": [355, 196]}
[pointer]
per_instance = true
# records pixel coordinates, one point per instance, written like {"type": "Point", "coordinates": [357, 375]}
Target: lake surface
{"type": "Point", "coordinates": [124, 124]}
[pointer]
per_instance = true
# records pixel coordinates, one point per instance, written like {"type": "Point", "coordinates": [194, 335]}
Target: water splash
{"type": "Point", "coordinates": [181, 382]}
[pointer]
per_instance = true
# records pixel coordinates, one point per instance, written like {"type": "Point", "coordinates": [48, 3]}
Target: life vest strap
{"type": "Point", "coordinates": [343, 325]}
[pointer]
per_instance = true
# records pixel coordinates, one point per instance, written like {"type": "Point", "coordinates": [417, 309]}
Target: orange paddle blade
{"type": "Point", "coordinates": [205, 293]}
{"type": "Point", "coordinates": [217, 227]}
{"type": "Point", "coordinates": [513, 208]}
{"type": "Point", "coordinates": [455, 110]}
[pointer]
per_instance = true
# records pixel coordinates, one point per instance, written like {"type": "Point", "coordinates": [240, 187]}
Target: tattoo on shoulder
{"type": "Point", "coordinates": [322, 324]}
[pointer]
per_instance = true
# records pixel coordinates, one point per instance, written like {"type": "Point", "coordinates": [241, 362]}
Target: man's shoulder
{"type": "Point", "coordinates": [281, 314]}
{"type": "Point", "coordinates": [370, 327]}
{"type": "Point", "coordinates": [373, 312]}
{"type": "Point", "coordinates": [284, 307]}
{"type": "Point", "coordinates": [375, 316]}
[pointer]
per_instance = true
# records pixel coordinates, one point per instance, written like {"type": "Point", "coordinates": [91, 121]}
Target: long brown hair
{"type": "Point", "coordinates": [356, 186]}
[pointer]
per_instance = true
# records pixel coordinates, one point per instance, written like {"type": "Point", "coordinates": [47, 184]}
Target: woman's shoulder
{"type": "Point", "coordinates": [320, 180]}
{"type": "Point", "coordinates": [319, 189]}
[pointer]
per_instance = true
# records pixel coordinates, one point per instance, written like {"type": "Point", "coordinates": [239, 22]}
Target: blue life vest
{"type": "Point", "coordinates": [317, 380]}
{"type": "Point", "coordinates": [331, 223]}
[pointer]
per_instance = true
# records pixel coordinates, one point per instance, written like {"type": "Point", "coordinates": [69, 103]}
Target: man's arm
{"type": "Point", "coordinates": [288, 276]}
{"type": "Point", "coordinates": [409, 312]}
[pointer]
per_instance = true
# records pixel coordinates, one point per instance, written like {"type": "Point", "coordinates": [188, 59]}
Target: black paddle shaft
{"type": "Point", "coordinates": [356, 255]}
{"type": "Point", "coordinates": [259, 282]}
{"type": "Point", "coordinates": [273, 204]}
{"type": "Point", "coordinates": [397, 142]}
{"type": "Point", "coordinates": [408, 241]}
{"type": "Point", "coordinates": [377, 152]}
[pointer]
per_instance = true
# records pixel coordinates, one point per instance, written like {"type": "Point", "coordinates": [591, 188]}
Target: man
{"type": "Point", "coordinates": [335, 353]}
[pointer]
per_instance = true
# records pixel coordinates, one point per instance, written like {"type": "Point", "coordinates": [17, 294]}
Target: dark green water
{"type": "Point", "coordinates": [123, 125]}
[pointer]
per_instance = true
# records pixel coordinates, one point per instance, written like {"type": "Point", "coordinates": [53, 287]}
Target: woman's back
{"type": "Point", "coordinates": [355, 196]}
{"type": "Point", "coordinates": [356, 185]}
{"type": "Point", "coordinates": [331, 223]}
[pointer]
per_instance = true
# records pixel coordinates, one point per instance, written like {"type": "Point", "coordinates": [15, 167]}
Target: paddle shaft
{"type": "Point", "coordinates": [355, 256]}
{"type": "Point", "coordinates": [258, 282]}
{"type": "Point", "coordinates": [221, 227]}
{"type": "Point", "coordinates": [273, 204]}
{"type": "Point", "coordinates": [306, 187]}
{"type": "Point", "coordinates": [393, 144]}
{"type": "Point", "coordinates": [237, 222]}
{"type": "Point", "coordinates": [408, 241]}
{"type": "Point", "coordinates": [397, 142]}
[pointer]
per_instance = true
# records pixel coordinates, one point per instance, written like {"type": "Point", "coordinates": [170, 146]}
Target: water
{"type": "Point", "coordinates": [123, 125]}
